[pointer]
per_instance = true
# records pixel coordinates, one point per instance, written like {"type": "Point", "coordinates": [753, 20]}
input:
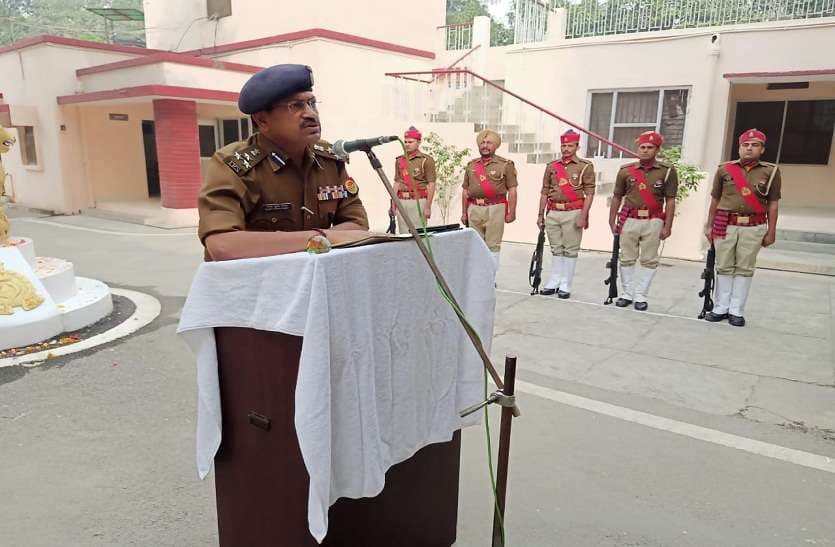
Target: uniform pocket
{"type": "Point", "coordinates": [271, 221]}
{"type": "Point", "coordinates": [327, 211]}
{"type": "Point", "coordinates": [762, 188]}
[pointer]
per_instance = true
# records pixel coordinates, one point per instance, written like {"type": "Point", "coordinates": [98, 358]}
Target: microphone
{"type": "Point", "coordinates": [343, 148]}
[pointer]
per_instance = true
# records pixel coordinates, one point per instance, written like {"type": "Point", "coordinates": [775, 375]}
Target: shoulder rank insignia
{"type": "Point", "coordinates": [323, 148]}
{"type": "Point", "coordinates": [243, 160]}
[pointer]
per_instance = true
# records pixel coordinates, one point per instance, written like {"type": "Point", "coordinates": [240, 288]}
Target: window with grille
{"type": "Point", "coordinates": [622, 115]}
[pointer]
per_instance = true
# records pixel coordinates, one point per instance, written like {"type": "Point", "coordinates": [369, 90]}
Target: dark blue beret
{"type": "Point", "coordinates": [272, 84]}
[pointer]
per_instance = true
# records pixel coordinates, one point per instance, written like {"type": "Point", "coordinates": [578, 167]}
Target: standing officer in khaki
{"type": "Point", "coordinates": [567, 194]}
{"type": "Point", "coordinates": [489, 192]}
{"type": "Point", "coordinates": [415, 189]}
{"type": "Point", "coordinates": [742, 218]}
{"type": "Point", "coordinates": [282, 187]}
{"type": "Point", "coordinates": [647, 189]}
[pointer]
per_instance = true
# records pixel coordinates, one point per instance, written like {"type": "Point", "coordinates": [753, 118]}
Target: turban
{"type": "Point", "coordinates": [488, 134]}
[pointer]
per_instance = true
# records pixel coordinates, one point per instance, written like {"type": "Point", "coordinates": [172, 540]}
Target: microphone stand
{"type": "Point", "coordinates": [474, 339]}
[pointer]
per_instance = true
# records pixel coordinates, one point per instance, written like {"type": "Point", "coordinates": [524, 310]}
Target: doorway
{"type": "Point", "coordinates": [149, 140]}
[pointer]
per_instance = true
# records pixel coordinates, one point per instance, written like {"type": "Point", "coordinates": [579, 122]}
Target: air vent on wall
{"type": "Point", "coordinates": [788, 85]}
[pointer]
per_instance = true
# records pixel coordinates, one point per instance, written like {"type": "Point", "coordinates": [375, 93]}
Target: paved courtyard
{"type": "Point", "coordinates": [648, 429]}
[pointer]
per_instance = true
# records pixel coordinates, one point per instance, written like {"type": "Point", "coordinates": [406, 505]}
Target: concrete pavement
{"type": "Point", "coordinates": [98, 447]}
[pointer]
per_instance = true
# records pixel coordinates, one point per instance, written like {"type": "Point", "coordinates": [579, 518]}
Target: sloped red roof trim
{"type": "Point", "coordinates": [167, 57]}
{"type": "Point", "coordinates": [74, 42]}
{"type": "Point", "coordinates": [172, 91]}
{"type": "Point", "coordinates": [313, 33]}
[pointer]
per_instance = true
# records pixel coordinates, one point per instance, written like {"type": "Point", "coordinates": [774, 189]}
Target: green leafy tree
{"type": "Point", "coordinates": [689, 176]}
{"type": "Point", "coordinates": [449, 163]}
{"type": "Point", "coordinates": [21, 19]}
{"type": "Point", "coordinates": [464, 11]}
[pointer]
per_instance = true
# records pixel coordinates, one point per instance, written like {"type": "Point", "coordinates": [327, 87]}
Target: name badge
{"type": "Point", "coordinates": [269, 207]}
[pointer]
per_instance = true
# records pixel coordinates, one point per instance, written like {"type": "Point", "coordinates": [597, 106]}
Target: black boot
{"type": "Point", "coordinates": [547, 292]}
{"type": "Point", "coordinates": [736, 320]}
{"type": "Point", "coordinates": [622, 302]}
{"type": "Point", "coordinates": [563, 294]}
{"type": "Point", "coordinates": [641, 306]}
{"type": "Point", "coordinates": [715, 317]}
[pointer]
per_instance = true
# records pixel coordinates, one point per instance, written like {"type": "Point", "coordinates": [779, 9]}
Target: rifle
{"type": "Point", "coordinates": [392, 221]}
{"type": "Point", "coordinates": [710, 281]}
{"type": "Point", "coordinates": [612, 264]}
{"type": "Point", "coordinates": [535, 272]}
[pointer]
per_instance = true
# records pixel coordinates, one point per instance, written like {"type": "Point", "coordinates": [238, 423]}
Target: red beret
{"type": "Point", "coordinates": [752, 135]}
{"type": "Point", "coordinates": [650, 137]}
{"type": "Point", "coordinates": [569, 136]}
{"type": "Point", "coordinates": [412, 133]}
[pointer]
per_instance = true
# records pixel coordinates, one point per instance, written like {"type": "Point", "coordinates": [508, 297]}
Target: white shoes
{"type": "Point", "coordinates": [556, 276]}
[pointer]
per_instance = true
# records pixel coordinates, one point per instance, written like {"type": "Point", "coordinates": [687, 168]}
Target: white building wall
{"type": "Point", "coordinates": [175, 74]}
{"type": "Point", "coordinates": [560, 77]}
{"type": "Point", "coordinates": [34, 77]}
{"type": "Point", "coordinates": [183, 25]}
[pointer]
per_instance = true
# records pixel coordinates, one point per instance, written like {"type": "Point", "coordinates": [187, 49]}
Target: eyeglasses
{"type": "Point", "coordinates": [297, 107]}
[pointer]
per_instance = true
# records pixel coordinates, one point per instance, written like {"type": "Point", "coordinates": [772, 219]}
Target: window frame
{"type": "Point", "coordinates": [213, 125]}
{"type": "Point", "coordinates": [733, 138]}
{"type": "Point", "coordinates": [22, 145]}
{"type": "Point", "coordinates": [609, 150]}
{"type": "Point", "coordinates": [240, 120]}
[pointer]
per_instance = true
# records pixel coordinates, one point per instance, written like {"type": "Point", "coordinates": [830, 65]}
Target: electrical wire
{"type": "Point", "coordinates": [188, 28]}
{"type": "Point", "coordinates": [460, 313]}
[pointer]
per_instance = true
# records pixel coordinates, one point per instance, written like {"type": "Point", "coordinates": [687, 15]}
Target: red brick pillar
{"type": "Point", "coordinates": [178, 152]}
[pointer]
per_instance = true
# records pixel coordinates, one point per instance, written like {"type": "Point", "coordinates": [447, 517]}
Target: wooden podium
{"type": "Point", "coordinates": [260, 478]}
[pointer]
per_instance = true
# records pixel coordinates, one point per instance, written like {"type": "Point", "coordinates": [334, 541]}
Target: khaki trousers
{"type": "Point", "coordinates": [563, 233]}
{"type": "Point", "coordinates": [412, 212]}
{"type": "Point", "coordinates": [736, 253]}
{"type": "Point", "coordinates": [488, 221]}
{"type": "Point", "coordinates": [640, 235]}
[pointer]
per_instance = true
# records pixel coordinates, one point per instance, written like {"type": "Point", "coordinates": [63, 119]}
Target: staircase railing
{"type": "Point", "coordinates": [495, 113]}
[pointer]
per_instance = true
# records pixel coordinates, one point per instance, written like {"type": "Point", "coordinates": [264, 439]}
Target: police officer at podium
{"type": "Point", "coordinates": [283, 187]}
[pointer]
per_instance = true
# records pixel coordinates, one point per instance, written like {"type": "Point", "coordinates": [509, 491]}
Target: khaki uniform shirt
{"type": "Point", "coordinates": [501, 172]}
{"type": "Point", "coordinates": [758, 177]}
{"type": "Point", "coordinates": [252, 185]}
{"type": "Point", "coordinates": [423, 171]}
{"type": "Point", "coordinates": [663, 185]}
{"type": "Point", "coordinates": [580, 176]}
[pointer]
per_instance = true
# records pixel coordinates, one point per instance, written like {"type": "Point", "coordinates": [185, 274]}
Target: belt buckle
{"type": "Point", "coordinates": [480, 201]}
{"type": "Point", "coordinates": [643, 213]}
{"type": "Point", "coordinates": [407, 195]}
{"type": "Point", "coordinates": [743, 220]}
{"type": "Point", "coordinates": [560, 206]}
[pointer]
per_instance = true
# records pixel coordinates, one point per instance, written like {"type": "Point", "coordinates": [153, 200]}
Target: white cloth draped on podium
{"type": "Point", "coordinates": [385, 365]}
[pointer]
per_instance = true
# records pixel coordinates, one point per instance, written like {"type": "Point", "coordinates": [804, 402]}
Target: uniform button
{"type": "Point", "coordinates": [274, 220]}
